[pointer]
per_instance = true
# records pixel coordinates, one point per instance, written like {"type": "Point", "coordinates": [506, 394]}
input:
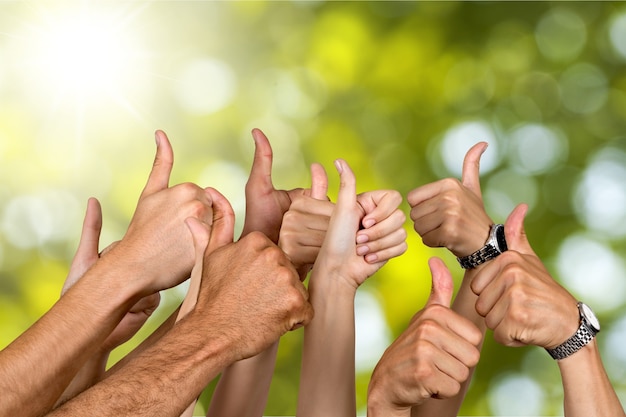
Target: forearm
{"type": "Point", "coordinates": [250, 379]}
{"type": "Point", "coordinates": [586, 387]}
{"type": "Point", "coordinates": [154, 337]}
{"type": "Point", "coordinates": [38, 366]}
{"type": "Point", "coordinates": [90, 374]}
{"type": "Point", "coordinates": [162, 380]}
{"type": "Point", "coordinates": [327, 380]}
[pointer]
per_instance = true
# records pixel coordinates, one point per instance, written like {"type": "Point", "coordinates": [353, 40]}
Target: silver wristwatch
{"type": "Point", "coordinates": [496, 244]}
{"type": "Point", "coordinates": [589, 327]}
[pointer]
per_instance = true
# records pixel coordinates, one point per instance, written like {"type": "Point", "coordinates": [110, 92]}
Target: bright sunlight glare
{"type": "Point", "coordinates": [87, 52]}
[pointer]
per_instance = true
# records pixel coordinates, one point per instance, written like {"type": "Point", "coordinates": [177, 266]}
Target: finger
{"type": "Point", "coordinates": [261, 172]}
{"type": "Point", "coordinates": [147, 304]}
{"type": "Point", "coordinates": [162, 168]}
{"type": "Point", "coordinates": [514, 230]}
{"type": "Point", "coordinates": [426, 192]}
{"type": "Point", "coordinates": [386, 254]}
{"type": "Point", "coordinates": [305, 313]}
{"type": "Point", "coordinates": [376, 234]}
{"type": "Point", "coordinates": [319, 182]}
{"type": "Point", "coordinates": [346, 199]}
{"type": "Point", "coordinates": [443, 286]}
{"type": "Point", "coordinates": [87, 251]}
{"type": "Point", "coordinates": [223, 228]}
{"type": "Point", "coordinates": [385, 202]}
{"type": "Point", "coordinates": [471, 168]}
{"type": "Point", "coordinates": [200, 233]}
{"type": "Point", "coordinates": [92, 226]}
{"type": "Point", "coordinates": [392, 239]}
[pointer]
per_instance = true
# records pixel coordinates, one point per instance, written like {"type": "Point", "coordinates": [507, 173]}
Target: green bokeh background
{"type": "Point", "coordinates": [387, 86]}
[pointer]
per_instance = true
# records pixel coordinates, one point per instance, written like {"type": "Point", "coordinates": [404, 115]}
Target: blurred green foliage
{"type": "Point", "coordinates": [380, 84]}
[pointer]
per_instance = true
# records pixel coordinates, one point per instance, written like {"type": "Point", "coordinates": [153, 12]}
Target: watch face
{"type": "Point", "coordinates": [591, 318]}
{"type": "Point", "coordinates": [501, 239]}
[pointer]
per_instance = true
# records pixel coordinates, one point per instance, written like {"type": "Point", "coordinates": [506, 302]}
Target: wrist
{"type": "Point", "coordinates": [379, 406]}
{"type": "Point", "coordinates": [332, 284]}
{"type": "Point", "coordinates": [493, 247]}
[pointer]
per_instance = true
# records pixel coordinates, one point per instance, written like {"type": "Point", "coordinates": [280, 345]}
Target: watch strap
{"type": "Point", "coordinates": [484, 254]}
{"type": "Point", "coordinates": [580, 339]}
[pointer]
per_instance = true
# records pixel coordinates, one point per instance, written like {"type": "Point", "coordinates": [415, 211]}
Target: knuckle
{"type": "Point", "coordinates": [427, 329]}
{"type": "Point", "coordinates": [187, 189]}
{"type": "Point", "coordinates": [473, 359]}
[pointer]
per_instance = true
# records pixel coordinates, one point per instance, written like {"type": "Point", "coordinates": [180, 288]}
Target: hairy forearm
{"type": "Point", "coordinates": [327, 386]}
{"type": "Point", "coordinates": [162, 380]}
{"type": "Point", "coordinates": [38, 366]}
{"type": "Point", "coordinates": [155, 336]}
{"type": "Point", "coordinates": [586, 387]}
{"type": "Point", "coordinates": [90, 374]}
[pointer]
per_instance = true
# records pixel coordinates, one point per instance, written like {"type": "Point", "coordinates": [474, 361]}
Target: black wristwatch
{"type": "Point", "coordinates": [587, 330]}
{"type": "Point", "coordinates": [496, 244]}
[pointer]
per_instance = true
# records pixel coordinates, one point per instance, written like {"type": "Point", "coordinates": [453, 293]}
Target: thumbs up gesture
{"type": "Point", "coordinates": [306, 223]}
{"type": "Point", "coordinates": [450, 213]}
{"type": "Point", "coordinates": [430, 359]}
{"type": "Point", "coordinates": [519, 299]}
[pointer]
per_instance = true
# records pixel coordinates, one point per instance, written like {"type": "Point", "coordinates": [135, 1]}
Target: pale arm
{"type": "Point", "coordinates": [327, 385]}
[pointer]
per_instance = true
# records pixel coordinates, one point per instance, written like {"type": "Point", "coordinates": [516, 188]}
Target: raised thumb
{"type": "Point", "coordinates": [319, 182]}
{"type": "Point", "coordinates": [514, 230]}
{"type": "Point", "coordinates": [443, 286]}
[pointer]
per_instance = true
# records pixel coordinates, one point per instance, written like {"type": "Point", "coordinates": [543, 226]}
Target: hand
{"type": "Point", "coordinates": [265, 205]}
{"type": "Point", "coordinates": [306, 222]}
{"type": "Point", "coordinates": [158, 245]}
{"type": "Point", "coordinates": [518, 298]}
{"type": "Point", "coordinates": [86, 256]}
{"type": "Point", "coordinates": [238, 297]}
{"type": "Point", "coordinates": [449, 213]}
{"type": "Point", "coordinates": [382, 236]}
{"type": "Point", "coordinates": [431, 358]}
{"type": "Point", "coordinates": [338, 255]}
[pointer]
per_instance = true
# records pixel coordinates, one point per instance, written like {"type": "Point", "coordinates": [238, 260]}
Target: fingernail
{"type": "Point", "coordinates": [157, 139]}
{"type": "Point", "coordinates": [362, 238]}
{"type": "Point", "coordinates": [367, 223]}
{"type": "Point", "coordinates": [338, 166]}
{"type": "Point", "coordinates": [372, 258]}
{"type": "Point", "coordinates": [362, 250]}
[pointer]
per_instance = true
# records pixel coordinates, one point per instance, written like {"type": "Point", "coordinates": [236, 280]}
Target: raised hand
{"type": "Point", "coordinates": [158, 242]}
{"type": "Point", "coordinates": [327, 376]}
{"type": "Point", "coordinates": [305, 224]}
{"type": "Point", "coordinates": [430, 359]}
{"type": "Point", "coordinates": [382, 236]}
{"type": "Point", "coordinates": [519, 299]}
{"type": "Point", "coordinates": [237, 295]}
{"type": "Point", "coordinates": [450, 213]}
{"type": "Point", "coordinates": [265, 205]}
{"type": "Point", "coordinates": [338, 254]}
